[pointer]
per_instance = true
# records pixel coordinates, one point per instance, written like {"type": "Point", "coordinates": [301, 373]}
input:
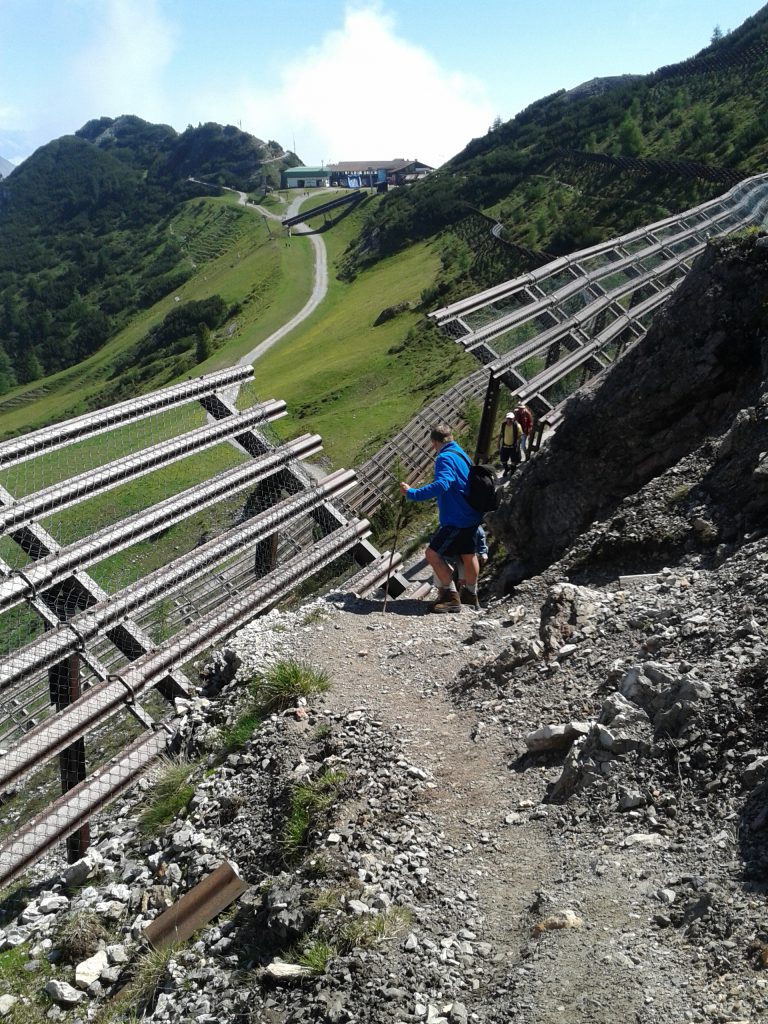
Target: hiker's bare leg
{"type": "Point", "coordinates": [439, 567]}
{"type": "Point", "coordinates": [471, 569]}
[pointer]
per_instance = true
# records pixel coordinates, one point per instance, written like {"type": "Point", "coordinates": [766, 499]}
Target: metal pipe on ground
{"type": "Point", "coordinates": [196, 907]}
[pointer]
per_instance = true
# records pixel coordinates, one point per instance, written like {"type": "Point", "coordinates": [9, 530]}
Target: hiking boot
{"type": "Point", "coordinates": [466, 596]}
{"type": "Point", "coordinates": [447, 601]}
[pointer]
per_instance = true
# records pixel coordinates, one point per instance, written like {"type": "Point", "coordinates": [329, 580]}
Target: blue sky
{"type": "Point", "coordinates": [382, 79]}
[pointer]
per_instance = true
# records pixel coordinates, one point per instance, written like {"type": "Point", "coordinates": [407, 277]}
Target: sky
{"type": "Point", "coordinates": [369, 80]}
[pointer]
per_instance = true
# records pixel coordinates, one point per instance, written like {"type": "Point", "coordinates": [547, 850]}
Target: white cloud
{"type": "Point", "coordinates": [362, 93]}
{"type": "Point", "coordinates": [120, 70]}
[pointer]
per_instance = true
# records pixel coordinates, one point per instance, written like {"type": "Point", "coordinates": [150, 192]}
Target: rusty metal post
{"type": "Point", "coordinates": [488, 422]}
{"type": "Point", "coordinates": [64, 683]}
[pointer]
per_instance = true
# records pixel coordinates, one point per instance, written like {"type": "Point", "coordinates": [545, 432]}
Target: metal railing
{"type": "Point", "coordinates": [101, 649]}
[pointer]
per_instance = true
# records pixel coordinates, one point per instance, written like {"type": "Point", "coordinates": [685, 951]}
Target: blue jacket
{"type": "Point", "coordinates": [449, 485]}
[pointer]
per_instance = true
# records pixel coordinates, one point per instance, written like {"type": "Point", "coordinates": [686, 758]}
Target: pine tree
{"type": "Point", "coordinates": [630, 137]}
{"type": "Point", "coordinates": [28, 367]}
{"type": "Point", "coordinates": [203, 347]}
{"type": "Point", "coordinates": [7, 376]}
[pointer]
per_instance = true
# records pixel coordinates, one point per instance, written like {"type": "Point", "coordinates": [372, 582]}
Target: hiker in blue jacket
{"type": "Point", "coordinates": [458, 521]}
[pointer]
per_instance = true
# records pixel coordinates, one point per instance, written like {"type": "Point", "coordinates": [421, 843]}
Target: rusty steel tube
{"type": "Point", "coordinates": [130, 467]}
{"type": "Point", "coordinates": [70, 811]}
{"type": "Point", "coordinates": [48, 439]}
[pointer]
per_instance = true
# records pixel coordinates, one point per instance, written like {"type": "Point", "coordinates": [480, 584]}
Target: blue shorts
{"type": "Point", "coordinates": [454, 540]}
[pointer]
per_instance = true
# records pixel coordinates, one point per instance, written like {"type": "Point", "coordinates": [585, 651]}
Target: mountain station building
{"type": "Point", "coordinates": [370, 173]}
{"type": "Point", "coordinates": [357, 174]}
{"type": "Point", "coordinates": [306, 177]}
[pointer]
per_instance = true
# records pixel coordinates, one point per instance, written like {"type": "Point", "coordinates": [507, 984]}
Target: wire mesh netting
{"type": "Point", "coordinates": [128, 551]}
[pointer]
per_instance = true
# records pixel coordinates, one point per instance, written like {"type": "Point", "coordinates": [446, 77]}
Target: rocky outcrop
{"type": "Point", "coordinates": [699, 373]}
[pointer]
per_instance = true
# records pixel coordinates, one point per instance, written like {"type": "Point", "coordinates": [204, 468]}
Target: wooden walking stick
{"type": "Point", "coordinates": [400, 510]}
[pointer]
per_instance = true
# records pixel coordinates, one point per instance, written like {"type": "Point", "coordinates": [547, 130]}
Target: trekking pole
{"type": "Point", "coordinates": [398, 521]}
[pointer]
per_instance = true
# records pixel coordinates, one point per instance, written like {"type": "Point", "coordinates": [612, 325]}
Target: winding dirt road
{"type": "Point", "coordinates": [320, 277]}
{"type": "Point", "coordinates": [319, 283]}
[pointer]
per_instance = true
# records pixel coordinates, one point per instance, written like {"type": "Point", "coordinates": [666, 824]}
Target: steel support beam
{"type": "Point", "coordinates": [131, 467]}
{"type": "Point", "coordinates": [111, 611]}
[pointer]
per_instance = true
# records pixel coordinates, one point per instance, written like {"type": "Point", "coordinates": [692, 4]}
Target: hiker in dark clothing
{"type": "Point", "coordinates": [458, 521]}
{"type": "Point", "coordinates": [510, 438]}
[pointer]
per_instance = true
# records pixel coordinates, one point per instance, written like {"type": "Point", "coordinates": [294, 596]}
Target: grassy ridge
{"type": "Point", "coordinates": [354, 383]}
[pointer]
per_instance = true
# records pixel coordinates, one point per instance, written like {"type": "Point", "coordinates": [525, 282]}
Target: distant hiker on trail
{"type": "Point", "coordinates": [524, 417]}
{"type": "Point", "coordinates": [510, 438]}
{"type": "Point", "coordinates": [458, 521]}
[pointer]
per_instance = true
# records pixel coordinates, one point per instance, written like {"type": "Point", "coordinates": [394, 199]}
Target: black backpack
{"type": "Point", "coordinates": [481, 488]}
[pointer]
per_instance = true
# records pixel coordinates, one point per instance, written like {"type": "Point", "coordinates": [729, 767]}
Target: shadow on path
{"type": "Point", "coordinates": [365, 606]}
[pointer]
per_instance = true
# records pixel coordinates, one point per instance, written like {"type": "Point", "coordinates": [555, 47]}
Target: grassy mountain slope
{"type": "Point", "coordinates": [85, 232]}
{"type": "Point", "coordinates": [351, 381]}
{"type": "Point", "coordinates": [105, 245]}
{"type": "Point", "coordinates": [229, 253]}
{"type": "Point", "coordinates": [576, 168]}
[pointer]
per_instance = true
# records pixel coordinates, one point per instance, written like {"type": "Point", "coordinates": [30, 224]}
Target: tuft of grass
{"type": "Point", "coordinates": [364, 932]}
{"type": "Point", "coordinates": [361, 933]}
{"type": "Point", "coordinates": [147, 975]}
{"type": "Point", "coordinates": [242, 729]}
{"type": "Point", "coordinates": [320, 866]}
{"type": "Point", "coordinates": [286, 681]}
{"type": "Point", "coordinates": [308, 802]}
{"type": "Point", "coordinates": [329, 899]}
{"type": "Point", "coordinates": [167, 796]}
{"type": "Point", "coordinates": [79, 935]}
{"type": "Point", "coordinates": [678, 495]}
{"type": "Point", "coordinates": [314, 615]}
{"type": "Point", "coordinates": [316, 956]}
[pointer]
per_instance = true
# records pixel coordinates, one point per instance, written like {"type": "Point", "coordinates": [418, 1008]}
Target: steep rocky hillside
{"type": "Point", "coordinates": [695, 388]}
